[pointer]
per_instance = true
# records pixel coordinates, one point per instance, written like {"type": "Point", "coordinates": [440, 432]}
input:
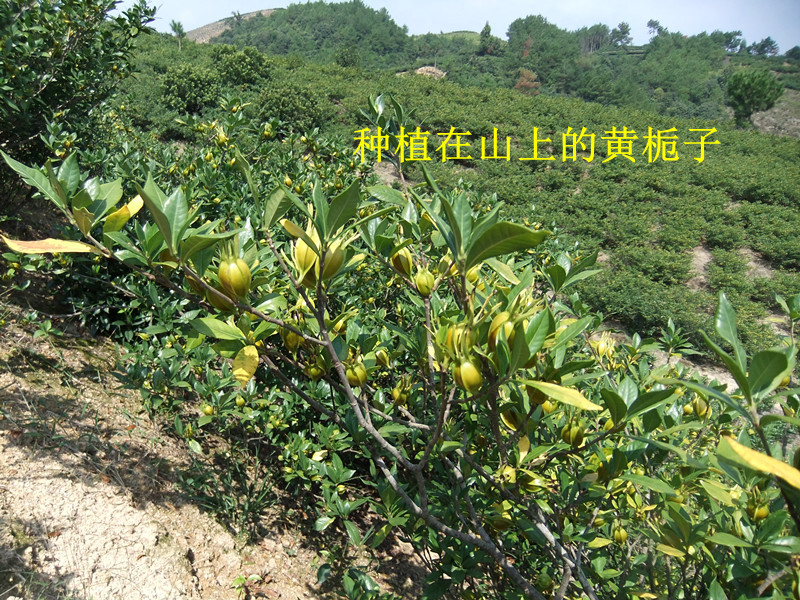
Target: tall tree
{"type": "Point", "coordinates": [750, 91]}
{"type": "Point", "coordinates": [621, 35]}
{"type": "Point", "coordinates": [178, 32]}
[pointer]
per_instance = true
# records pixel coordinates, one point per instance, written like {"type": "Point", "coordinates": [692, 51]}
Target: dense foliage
{"type": "Point", "coordinates": [430, 362]}
{"type": "Point", "coordinates": [60, 60]}
{"type": "Point", "coordinates": [673, 74]}
{"type": "Point", "coordinates": [751, 91]}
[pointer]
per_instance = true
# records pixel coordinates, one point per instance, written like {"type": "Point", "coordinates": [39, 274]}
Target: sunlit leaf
{"type": "Point", "coordinates": [732, 450]}
{"type": "Point", "coordinates": [245, 364]}
{"type": "Point", "coordinates": [48, 245]}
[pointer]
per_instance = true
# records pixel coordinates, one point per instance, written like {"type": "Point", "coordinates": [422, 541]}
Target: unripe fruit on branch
{"type": "Point", "coordinates": [468, 376]}
{"type": "Point", "coordinates": [501, 320]}
{"type": "Point", "coordinates": [382, 357]}
{"type": "Point", "coordinates": [424, 282]}
{"type": "Point", "coordinates": [334, 259]}
{"type": "Point", "coordinates": [220, 303]}
{"type": "Point", "coordinates": [403, 262]}
{"type": "Point", "coordinates": [700, 407]}
{"type": "Point", "coordinates": [234, 275]}
{"type": "Point", "coordinates": [572, 434]}
{"type": "Point", "coordinates": [620, 535]}
{"type": "Point", "coordinates": [356, 373]}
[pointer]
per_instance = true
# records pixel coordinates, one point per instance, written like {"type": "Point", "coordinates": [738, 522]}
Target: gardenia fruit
{"type": "Point", "coordinates": [468, 376]}
{"type": "Point", "coordinates": [424, 282]}
{"type": "Point", "coordinates": [402, 261]}
{"type": "Point", "coordinates": [234, 275]}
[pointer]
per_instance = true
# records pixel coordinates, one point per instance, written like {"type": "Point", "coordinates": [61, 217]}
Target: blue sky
{"type": "Point", "coordinates": [779, 19]}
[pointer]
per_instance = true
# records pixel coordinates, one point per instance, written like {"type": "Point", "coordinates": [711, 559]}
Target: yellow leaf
{"type": "Point", "coordinates": [599, 542]}
{"type": "Point", "coordinates": [48, 245]}
{"type": "Point", "coordinates": [135, 205]}
{"type": "Point", "coordinates": [670, 550]}
{"type": "Point", "coordinates": [245, 364]}
{"type": "Point", "coordinates": [292, 229]}
{"type": "Point", "coordinates": [116, 220]}
{"type": "Point", "coordinates": [758, 461]}
{"type": "Point", "coordinates": [524, 446]}
{"type": "Point", "coordinates": [563, 394]}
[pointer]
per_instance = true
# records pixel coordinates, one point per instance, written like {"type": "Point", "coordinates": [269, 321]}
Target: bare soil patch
{"type": "Point", "coordinates": [89, 507]}
{"type": "Point", "coordinates": [700, 259]}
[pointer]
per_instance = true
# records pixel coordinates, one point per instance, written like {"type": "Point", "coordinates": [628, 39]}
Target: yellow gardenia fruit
{"type": "Point", "coordinates": [235, 277]}
{"type": "Point", "coordinates": [470, 375]}
{"type": "Point", "coordinates": [700, 407]}
{"type": "Point", "coordinates": [472, 274]}
{"type": "Point", "coordinates": [334, 259]}
{"type": "Point", "coordinates": [356, 374]}
{"type": "Point", "coordinates": [620, 535]}
{"type": "Point", "coordinates": [403, 261]}
{"type": "Point", "coordinates": [501, 320]}
{"type": "Point", "coordinates": [572, 434]}
{"type": "Point", "coordinates": [382, 357]}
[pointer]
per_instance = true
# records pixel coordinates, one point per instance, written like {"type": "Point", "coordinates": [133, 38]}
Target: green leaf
{"type": "Point", "coordinates": [649, 401]}
{"type": "Point", "coordinates": [726, 539]}
{"type": "Point", "coordinates": [344, 207]}
{"type": "Point", "coordinates": [449, 446]}
{"type": "Point", "coordinates": [195, 447]}
{"type": "Point", "coordinates": [771, 418]}
{"type": "Point", "coordinates": [276, 206]}
{"type": "Point", "coordinates": [715, 591]}
{"type": "Point", "coordinates": [651, 483]}
{"type": "Point", "coordinates": [198, 242]}
{"type": "Point", "coordinates": [244, 167]}
{"type": "Point", "coordinates": [385, 193]}
{"type": "Point", "coordinates": [734, 367]}
{"type": "Point", "coordinates": [766, 371]}
{"type": "Point", "coordinates": [84, 219]}
{"type": "Point", "coordinates": [154, 199]}
{"type": "Point", "coordinates": [716, 491]}
{"type": "Point", "coordinates": [353, 533]}
{"type": "Point", "coordinates": [69, 174]}
{"type": "Point", "coordinates": [785, 545]}
{"type": "Point", "coordinates": [322, 523]}
{"type": "Point", "coordinates": [615, 405]}
{"type": "Point", "coordinates": [725, 323]}
{"type": "Point", "coordinates": [323, 573]}
{"type": "Point", "coordinates": [218, 329]}
{"type": "Point", "coordinates": [36, 179]}
{"type": "Point", "coordinates": [628, 390]}
{"type": "Point", "coordinates": [176, 210]}
{"type": "Point", "coordinates": [663, 445]}
{"type": "Point", "coordinates": [502, 238]}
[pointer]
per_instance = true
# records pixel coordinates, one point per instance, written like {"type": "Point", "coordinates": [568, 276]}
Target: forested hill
{"type": "Point", "coordinates": [673, 74]}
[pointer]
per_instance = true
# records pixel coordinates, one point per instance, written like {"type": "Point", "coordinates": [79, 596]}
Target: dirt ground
{"type": "Point", "coordinates": [89, 506]}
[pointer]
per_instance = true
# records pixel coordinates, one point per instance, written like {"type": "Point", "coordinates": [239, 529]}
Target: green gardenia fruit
{"type": "Point", "coordinates": [424, 282]}
{"type": "Point", "coordinates": [356, 374]}
{"type": "Point", "coordinates": [234, 275]}
{"type": "Point", "coordinates": [468, 376]}
{"type": "Point", "coordinates": [403, 262]}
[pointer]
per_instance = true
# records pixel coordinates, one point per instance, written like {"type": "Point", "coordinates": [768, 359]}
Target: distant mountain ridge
{"type": "Point", "coordinates": [204, 34]}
